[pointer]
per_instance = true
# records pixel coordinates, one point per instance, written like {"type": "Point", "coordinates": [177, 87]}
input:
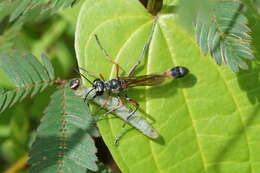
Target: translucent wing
{"type": "Point", "coordinates": [145, 80]}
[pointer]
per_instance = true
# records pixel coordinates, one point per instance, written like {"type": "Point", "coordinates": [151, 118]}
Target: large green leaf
{"type": "Point", "coordinates": [208, 121]}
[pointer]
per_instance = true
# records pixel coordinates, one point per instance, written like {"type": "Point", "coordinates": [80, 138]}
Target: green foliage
{"type": "Point", "coordinates": [14, 14]}
{"type": "Point", "coordinates": [222, 30]}
{"type": "Point", "coordinates": [102, 169]}
{"type": "Point", "coordinates": [27, 74]}
{"type": "Point", "coordinates": [63, 143]}
{"type": "Point", "coordinates": [208, 120]}
{"type": "Point", "coordinates": [67, 123]}
{"type": "Point", "coordinates": [17, 8]}
{"type": "Point", "coordinates": [257, 5]}
{"type": "Point", "coordinates": [16, 124]}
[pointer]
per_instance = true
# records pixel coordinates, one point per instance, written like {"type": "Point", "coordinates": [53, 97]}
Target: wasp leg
{"type": "Point", "coordinates": [121, 133]}
{"type": "Point", "coordinates": [101, 77]}
{"type": "Point", "coordinates": [133, 102]}
{"type": "Point", "coordinates": [145, 48]}
{"type": "Point", "coordinates": [137, 106]}
{"type": "Point", "coordinates": [102, 106]}
{"type": "Point", "coordinates": [107, 56]}
{"type": "Point", "coordinates": [117, 70]}
{"type": "Point", "coordinates": [124, 95]}
{"type": "Point", "coordinates": [120, 103]}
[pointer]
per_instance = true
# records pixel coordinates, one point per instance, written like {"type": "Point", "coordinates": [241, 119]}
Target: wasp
{"type": "Point", "coordinates": [121, 111]}
{"type": "Point", "coordinates": [119, 85]}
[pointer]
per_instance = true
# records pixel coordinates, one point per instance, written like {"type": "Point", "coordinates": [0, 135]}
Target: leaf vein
{"type": "Point", "coordinates": [188, 110]}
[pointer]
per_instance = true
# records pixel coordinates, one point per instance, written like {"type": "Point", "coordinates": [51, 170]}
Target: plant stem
{"type": "Point", "coordinates": [18, 165]}
{"type": "Point", "coordinates": [154, 6]}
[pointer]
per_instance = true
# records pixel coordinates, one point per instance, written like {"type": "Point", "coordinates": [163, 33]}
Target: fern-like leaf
{"type": "Point", "coordinates": [63, 143]}
{"type": "Point", "coordinates": [222, 31]}
{"type": "Point", "coordinates": [17, 8]}
{"type": "Point", "coordinates": [27, 74]}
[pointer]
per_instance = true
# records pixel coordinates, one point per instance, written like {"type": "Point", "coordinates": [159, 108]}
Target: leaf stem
{"type": "Point", "coordinates": [17, 166]}
{"type": "Point", "coordinates": [154, 6]}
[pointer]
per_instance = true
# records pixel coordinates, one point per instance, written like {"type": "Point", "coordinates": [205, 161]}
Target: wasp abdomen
{"type": "Point", "coordinates": [176, 72]}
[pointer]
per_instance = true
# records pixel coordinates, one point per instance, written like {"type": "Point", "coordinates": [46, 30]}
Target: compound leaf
{"type": "Point", "coordinates": [63, 143]}
{"type": "Point", "coordinates": [19, 8]}
{"type": "Point", "coordinates": [222, 31]}
{"type": "Point", "coordinates": [27, 74]}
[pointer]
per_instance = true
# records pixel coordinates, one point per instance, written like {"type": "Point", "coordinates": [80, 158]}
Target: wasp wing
{"type": "Point", "coordinates": [145, 80]}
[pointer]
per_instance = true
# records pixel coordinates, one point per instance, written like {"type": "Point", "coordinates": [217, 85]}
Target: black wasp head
{"type": "Point", "coordinates": [99, 86]}
{"type": "Point", "coordinates": [74, 84]}
{"type": "Point", "coordinates": [177, 72]}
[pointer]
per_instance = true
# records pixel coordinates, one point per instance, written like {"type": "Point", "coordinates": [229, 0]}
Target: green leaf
{"type": "Point", "coordinates": [22, 6]}
{"type": "Point", "coordinates": [19, 126]}
{"type": "Point", "coordinates": [102, 169]}
{"type": "Point", "coordinates": [48, 66]}
{"type": "Point", "coordinates": [63, 142]}
{"type": "Point", "coordinates": [208, 120]}
{"type": "Point", "coordinates": [27, 74]}
{"type": "Point", "coordinates": [2, 90]}
{"type": "Point", "coordinates": [258, 5]}
{"type": "Point", "coordinates": [17, 8]}
{"type": "Point", "coordinates": [71, 14]}
{"type": "Point", "coordinates": [222, 31]}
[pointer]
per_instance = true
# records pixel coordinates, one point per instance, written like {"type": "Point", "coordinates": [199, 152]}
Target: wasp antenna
{"type": "Point", "coordinates": [176, 72]}
{"type": "Point", "coordinates": [89, 73]}
{"type": "Point", "coordinates": [83, 75]}
{"type": "Point", "coordinates": [83, 69]}
{"type": "Point", "coordinates": [86, 96]}
{"type": "Point", "coordinates": [102, 77]}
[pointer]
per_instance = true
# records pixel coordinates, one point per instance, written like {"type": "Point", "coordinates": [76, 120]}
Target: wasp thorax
{"type": "Point", "coordinates": [114, 84]}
